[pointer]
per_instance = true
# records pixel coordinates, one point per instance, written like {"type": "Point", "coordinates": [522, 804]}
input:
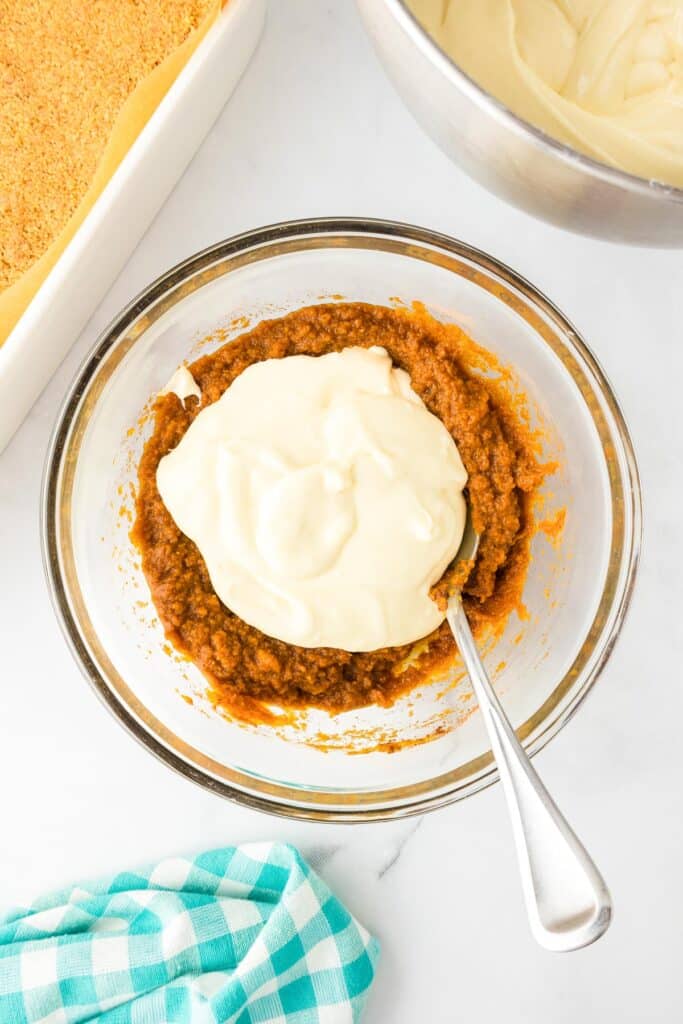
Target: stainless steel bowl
{"type": "Point", "coordinates": [509, 156]}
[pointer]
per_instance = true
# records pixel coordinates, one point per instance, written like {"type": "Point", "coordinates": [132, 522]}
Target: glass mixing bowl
{"type": "Point", "coordinates": [341, 767]}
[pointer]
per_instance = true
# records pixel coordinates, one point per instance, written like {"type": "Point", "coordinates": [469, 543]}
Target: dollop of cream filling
{"type": "Point", "coordinates": [604, 76]}
{"type": "Point", "coordinates": [182, 384]}
{"type": "Point", "coordinates": [325, 499]}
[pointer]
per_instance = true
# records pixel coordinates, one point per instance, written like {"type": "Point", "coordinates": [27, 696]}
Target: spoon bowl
{"type": "Point", "coordinates": [469, 545]}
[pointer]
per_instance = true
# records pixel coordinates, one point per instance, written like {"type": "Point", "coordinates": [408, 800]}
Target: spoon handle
{"type": "Point", "coordinates": [567, 901]}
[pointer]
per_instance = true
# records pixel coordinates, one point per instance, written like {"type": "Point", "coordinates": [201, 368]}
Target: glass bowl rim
{"type": "Point", "coordinates": [296, 231]}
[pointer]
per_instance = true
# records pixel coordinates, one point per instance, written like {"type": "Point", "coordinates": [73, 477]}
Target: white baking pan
{"type": "Point", "coordinates": [124, 210]}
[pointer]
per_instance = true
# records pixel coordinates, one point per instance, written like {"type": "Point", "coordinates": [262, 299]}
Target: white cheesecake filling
{"type": "Point", "coordinates": [325, 499]}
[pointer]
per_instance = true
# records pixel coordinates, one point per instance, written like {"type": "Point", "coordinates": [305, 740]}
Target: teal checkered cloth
{"type": "Point", "coordinates": [242, 935]}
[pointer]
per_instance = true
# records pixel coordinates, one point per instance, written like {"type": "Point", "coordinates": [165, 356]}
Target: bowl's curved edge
{"type": "Point", "coordinates": [50, 499]}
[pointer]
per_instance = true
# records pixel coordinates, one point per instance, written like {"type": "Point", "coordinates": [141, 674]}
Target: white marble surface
{"type": "Point", "coordinates": [79, 797]}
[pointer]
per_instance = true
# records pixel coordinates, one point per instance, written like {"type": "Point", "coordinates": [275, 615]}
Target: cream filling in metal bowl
{"type": "Point", "coordinates": [603, 76]}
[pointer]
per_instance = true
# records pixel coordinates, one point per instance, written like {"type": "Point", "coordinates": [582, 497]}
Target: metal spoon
{"type": "Point", "coordinates": [568, 903]}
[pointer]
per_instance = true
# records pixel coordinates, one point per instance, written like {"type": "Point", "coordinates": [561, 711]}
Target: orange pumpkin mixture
{"type": "Point", "coordinates": [497, 449]}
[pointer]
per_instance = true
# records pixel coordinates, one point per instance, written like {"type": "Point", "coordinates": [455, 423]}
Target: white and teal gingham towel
{"type": "Point", "coordinates": [241, 935]}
